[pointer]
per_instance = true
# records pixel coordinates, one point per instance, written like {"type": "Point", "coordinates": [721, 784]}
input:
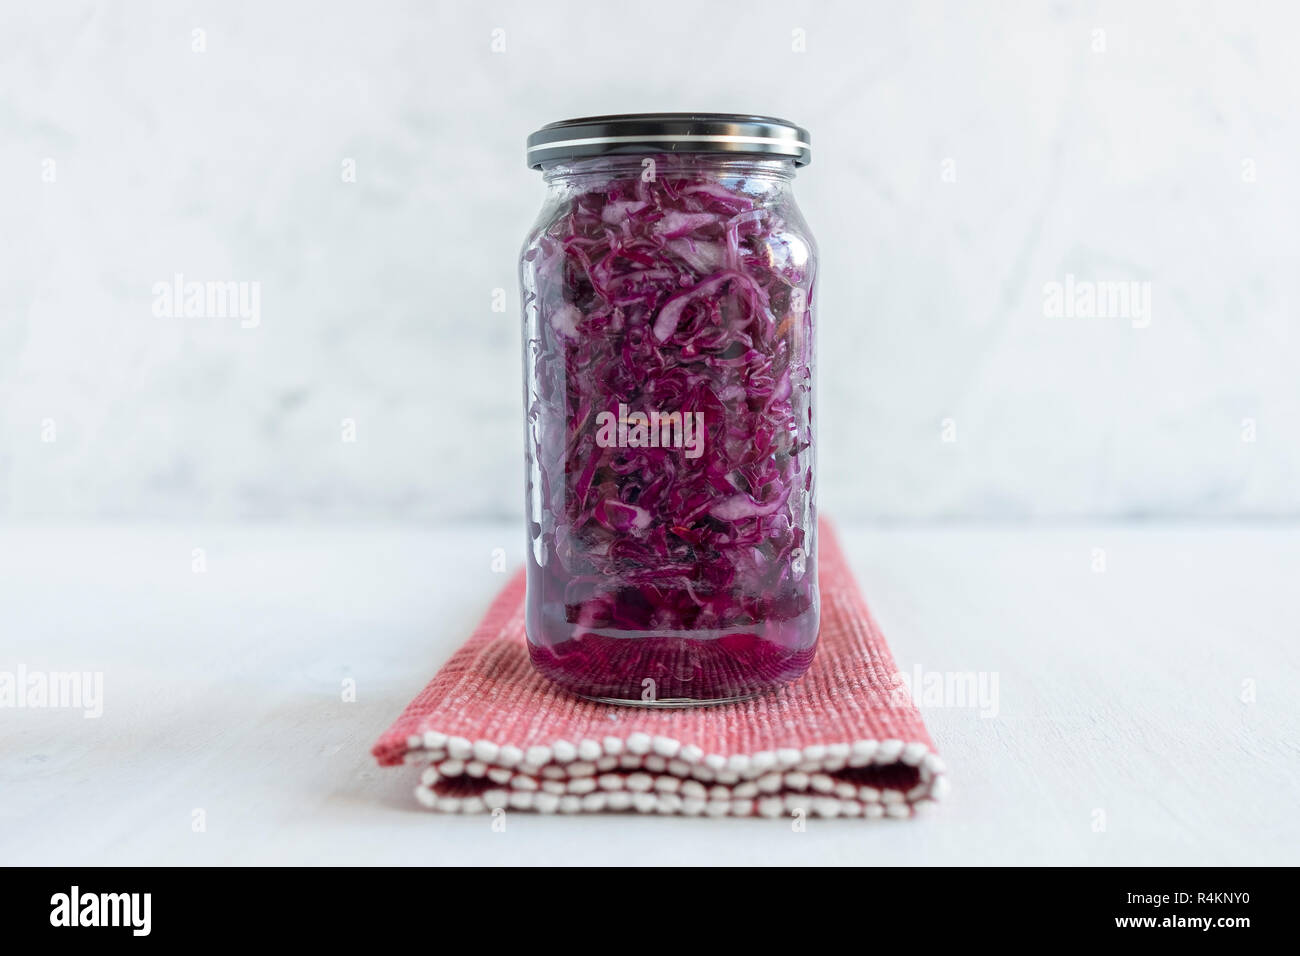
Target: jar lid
{"type": "Point", "coordinates": [640, 133]}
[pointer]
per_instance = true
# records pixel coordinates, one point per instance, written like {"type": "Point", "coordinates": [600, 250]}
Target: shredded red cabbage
{"type": "Point", "coordinates": [687, 293]}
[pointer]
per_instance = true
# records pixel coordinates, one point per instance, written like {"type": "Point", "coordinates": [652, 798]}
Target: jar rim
{"type": "Point", "coordinates": [646, 133]}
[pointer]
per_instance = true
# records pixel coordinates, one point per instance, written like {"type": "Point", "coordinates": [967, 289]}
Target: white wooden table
{"type": "Point", "coordinates": [1120, 735]}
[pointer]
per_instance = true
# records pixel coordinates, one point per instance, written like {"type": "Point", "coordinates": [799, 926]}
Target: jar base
{"type": "Point", "coordinates": [667, 673]}
{"type": "Point", "coordinates": [674, 702]}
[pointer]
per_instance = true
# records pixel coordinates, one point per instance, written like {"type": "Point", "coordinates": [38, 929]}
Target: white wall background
{"type": "Point", "coordinates": [1133, 162]}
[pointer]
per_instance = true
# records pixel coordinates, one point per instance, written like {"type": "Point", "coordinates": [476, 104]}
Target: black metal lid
{"type": "Point", "coordinates": [639, 133]}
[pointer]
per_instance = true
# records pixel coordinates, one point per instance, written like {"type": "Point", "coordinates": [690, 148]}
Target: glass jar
{"type": "Point", "coordinates": [668, 360]}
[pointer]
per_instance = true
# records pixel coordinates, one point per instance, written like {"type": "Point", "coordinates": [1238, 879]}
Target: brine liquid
{"type": "Point", "coordinates": [669, 668]}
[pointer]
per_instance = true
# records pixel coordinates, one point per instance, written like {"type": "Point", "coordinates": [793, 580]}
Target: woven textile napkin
{"type": "Point", "coordinates": [843, 740]}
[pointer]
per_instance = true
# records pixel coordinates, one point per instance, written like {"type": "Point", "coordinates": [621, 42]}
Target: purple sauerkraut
{"type": "Point", "coordinates": [668, 356]}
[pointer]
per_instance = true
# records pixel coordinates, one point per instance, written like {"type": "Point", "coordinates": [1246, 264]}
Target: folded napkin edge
{"type": "Point", "coordinates": [566, 777]}
{"type": "Point", "coordinates": [469, 778]}
{"type": "Point", "coordinates": [432, 744]}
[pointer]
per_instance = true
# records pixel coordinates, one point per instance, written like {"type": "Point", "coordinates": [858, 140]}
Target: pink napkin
{"type": "Point", "coordinates": [843, 740]}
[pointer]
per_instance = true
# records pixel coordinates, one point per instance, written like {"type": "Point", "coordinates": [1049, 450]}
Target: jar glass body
{"type": "Point", "coordinates": [668, 364]}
